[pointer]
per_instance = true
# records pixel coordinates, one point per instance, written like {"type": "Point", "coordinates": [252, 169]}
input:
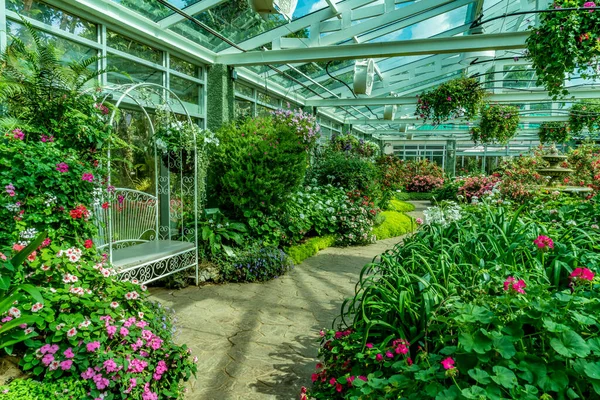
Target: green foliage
{"type": "Point", "coordinates": [562, 43]}
{"type": "Point", "coordinates": [498, 124]}
{"type": "Point", "coordinates": [440, 316]}
{"type": "Point", "coordinates": [584, 115]}
{"type": "Point", "coordinates": [345, 170]}
{"type": "Point", "coordinates": [70, 388]}
{"type": "Point", "coordinates": [256, 263]}
{"type": "Point", "coordinates": [395, 224]}
{"type": "Point", "coordinates": [218, 234]}
{"type": "Point", "coordinates": [554, 132]}
{"type": "Point", "coordinates": [309, 248]}
{"type": "Point", "coordinates": [449, 191]}
{"type": "Point", "coordinates": [257, 165]}
{"type": "Point", "coordinates": [400, 206]}
{"type": "Point", "coordinates": [407, 196]}
{"type": "Point", "coordinates": [457, 98]}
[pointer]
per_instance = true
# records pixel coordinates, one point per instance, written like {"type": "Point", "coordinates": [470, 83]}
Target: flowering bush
{"type": "Point", "coordinates": [584, 115]}
{"type": "Point", "coordinates": [456, 98]}
{"type": "Point", "coordinates": [476, 186]}
{"type": "Point", "coordinates": [256, 263]}
{"type": "Point", "coordinates": [305, 124]}
{"type": "Point", "coordinates": [498, 124]}
{"type": "Point", "coordinates": [585, 162]}
{"type": "Point", "coordinates": [350, 144]}
{"type": "Point", "coordinates": [554, 132]}
{"type": "Point", "coordinates": [562, 43]}
{"type": "Point", "coordinates": [419, 327]}
{"type": "Point", "coordinates": [424, 183]}
{"type": "Point", "coordinates": [356, 218]}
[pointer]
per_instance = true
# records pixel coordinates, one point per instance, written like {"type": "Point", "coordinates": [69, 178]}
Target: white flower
{"type": "Point", "coordinates": [28, 233]}
{"type": "Point", "coordinates": [71, 332]}
{"type": "Point", "coordinates": [14, 312]}
{"type": "Point", "coordinates": [37, 307]}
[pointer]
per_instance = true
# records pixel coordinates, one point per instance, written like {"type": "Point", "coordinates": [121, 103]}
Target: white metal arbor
{"type": "Point", "coordinates": [416, 44]}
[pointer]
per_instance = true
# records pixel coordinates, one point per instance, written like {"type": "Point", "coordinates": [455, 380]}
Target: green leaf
{"type": "Point", "coordinates": [570, 344]}
{"type": "Point", "coordinates": [592, 370]}
{"type": "Point", "coordinates": [474, 392]}
{"type": "Point", "coordinates": [480, 376]}
{"type": "Point", "coordinates": [31, 247]}
{"type": "Point", "coordinates": [505, 347]}
{"type": "Point", "coordinates": [478, 342]}
{"type": "Point", "coordinates": [448, 394]}
{"type": "Point", "coordinates": [583, 319]}
{"type": "Point", "coordinates": [504, 377]}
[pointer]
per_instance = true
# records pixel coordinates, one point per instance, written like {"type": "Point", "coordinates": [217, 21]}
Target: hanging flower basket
{"type": "Point", "coordinates": [554, 132]}
{"type": "Point", "coordinates": [565, 42]}
{"type": "Point", "coordinates": [498, 124]}
{"type": "Point", "coordinates": [457, 98]}
{"type": "Point", "coordinates": [584, 115]}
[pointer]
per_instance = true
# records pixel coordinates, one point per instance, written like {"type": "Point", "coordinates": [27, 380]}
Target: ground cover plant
{"type": "Point", "coordinates": [486, 301]}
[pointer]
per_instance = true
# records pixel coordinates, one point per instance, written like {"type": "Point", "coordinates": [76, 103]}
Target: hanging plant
{"type": "Point", "coordinates": [584, 115]}
{"type": "Point", "coordinates": [457, 98]}
{"type": "Point", "coordinates": [498, 124]}
{"type": "Point", "coordinates": [565, 42]}
{"type": "Point", "coordinates": [554, 132]}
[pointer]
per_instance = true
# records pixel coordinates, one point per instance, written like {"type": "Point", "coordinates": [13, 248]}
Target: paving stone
{"type": "Point", "coordinates": [260, 340]}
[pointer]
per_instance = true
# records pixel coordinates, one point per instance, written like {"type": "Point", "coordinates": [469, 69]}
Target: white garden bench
{"type": "Point", "coordinates": [136, 246]}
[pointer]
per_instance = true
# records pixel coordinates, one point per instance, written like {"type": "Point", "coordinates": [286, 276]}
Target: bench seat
{"type": "Point", "coordinates": [148, 252]}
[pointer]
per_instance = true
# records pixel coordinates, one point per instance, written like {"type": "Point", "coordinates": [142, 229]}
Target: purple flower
{"type": "Point", "coordinates": [87, 177]}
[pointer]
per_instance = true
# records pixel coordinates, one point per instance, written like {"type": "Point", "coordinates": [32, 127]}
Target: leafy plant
{"type": "Point", "coordinates": [256, 263]}
{"type": "Point", "coordinates": [498, 124]}
{"type": "Point", "coordinates": [457, 98]}
{"type": "Point", "coordinates": [218, 234]}
{"type": "Point", "coordinates": [554, 132]}
{"type": "Point", "coordinates": [584, 115]}
{"type": "Point", "coordinates": [562, 43]}
{"type": "Point", "coordinates": [348, 143]}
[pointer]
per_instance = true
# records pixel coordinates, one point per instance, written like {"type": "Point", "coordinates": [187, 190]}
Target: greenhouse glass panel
{"type": "Point", "coordinates": [135, 48]}
{"type": "Point", "coordinates": [128, 71]}
{"type": "Point", "coordinates": [187, 91]}
{"type": "Point", "coordinates": [179, 65]}
{"type": "Point", "coordinates": [151, 9]}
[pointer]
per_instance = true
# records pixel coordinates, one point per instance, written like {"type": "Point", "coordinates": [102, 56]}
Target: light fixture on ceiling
{"type": "Point", "coordinates": [283, 7]}
{"type": "Point", "coordinates": [471, 57]}
{"type": "Point", "coordinates": [364, 76]}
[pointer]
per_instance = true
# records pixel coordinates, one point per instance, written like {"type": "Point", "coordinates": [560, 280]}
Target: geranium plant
{"type": "Point", "coordinates": [584, 115]}
{"type": "Point", "coordinates": [554, 132]}
{"type": "Point", "coordinates": [457, 98]}
{"type": "Point", "coordinates": [564, 42]}
{"type": "Point", "coordinates": [498, 124]}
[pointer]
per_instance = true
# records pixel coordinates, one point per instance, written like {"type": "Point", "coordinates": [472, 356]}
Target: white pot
{"type": "Point", "coordinates": [389, 112]}
{"type": "Point", "coordinates": [364, 76]}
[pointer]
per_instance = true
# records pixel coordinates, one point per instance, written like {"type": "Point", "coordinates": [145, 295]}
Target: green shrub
{"type": "Point", "coordinates": [257, 165]}
{"type": "Point", "coordinates": [309, 248]}
{"type": "Point", "coordinates": [348, 171]}
{"type": "Point", "coordinates": [447, 192]}
{"type": "Point", "coordinates": [395, 224]}
{"type": "Point", "coordinates": [407, 196]}
{"type": "Point", "coordinates": [400, 206]}
{"type": "Point", "coordinates": [28, 389]}
{"type": "Point", "coordinates": [257, 263]}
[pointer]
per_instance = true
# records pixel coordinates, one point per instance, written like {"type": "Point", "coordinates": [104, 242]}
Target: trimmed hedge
{"type": "Point", "coordinates": [405, 196]}
{"type": "Point", "coordinates": [29, 389]}
{"type": "Point", "coordinates": [400, 206]}
{"type": "Point", "coordinates": [395, 224]}
{"type": "Point", "coordinates": [309, 248]}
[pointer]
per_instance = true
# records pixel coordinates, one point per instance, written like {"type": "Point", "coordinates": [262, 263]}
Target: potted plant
{"type": "Point", "coordinates": [458, 98]}
{"type": "Point", "coordinates": [554, 132]}
{"type": "Point", "coordinates": [584, 114]}
{"type": "Point", "coordinates": [498, 124]}
{"type": "Point", "coordinates": [564, 42]}
{"type": "Point", "coordinates": [175, 139]}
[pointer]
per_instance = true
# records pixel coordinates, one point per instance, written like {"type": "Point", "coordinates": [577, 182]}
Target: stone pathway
{"type": "Point", "coordinates": [260, 340]}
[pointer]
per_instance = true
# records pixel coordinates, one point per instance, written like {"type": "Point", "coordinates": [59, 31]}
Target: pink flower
{"type": "Point", "coordinates": [87, 177]}
{"type": "Point", "coordinates": [389, 354]}
{"type": "Point", "coordinates": [71, 332]}
{"type": "Point", "coordinates": [369, 345]}
{"type": "Point", "coordinates": [66, 365]}
{"type": "Point", "coordinates": [69, 353]}
{"type": "Point", "coordinates": [409, 361]}
{"type": "Point", "coordinates": [62, 167]}
{"type": "Point", "coordinates": [92, 346]}
{"type": "Point", "coordinates": [37, 307]}
{"type": "Point", "coordinates": [589, 4]}
{"type": "Point", "coordinates": [124, 331]}
{"type": "Point", "coordinates": [582, 274]}
{"type": "Point", "coordinates": [448, 363]}
{"type": "Point", "coordinates": [449, 98]}
{"type": "Point", "coordinates": [379, 357]}
{"type": "Point", "coordinates": [419, 221]}
{"type": "Point", "coordinates": [111, 366]}
{"type": "Point", "coordinates": [544, 242]}
{"type": "Point", "coordinates": [114, 304]}
{"type": "Point", "coordinates": [111, 330]}
{"type": "Point", "coordinates": [18, 134]}
{"type": "Point", "coordinates": [47, 359]}
{"type": "Point", "coordinates": [88, 373]}
{"type": "Point", "coordinates": [332, 381]}
{"type": "Point", "coordinates": [517, 286]}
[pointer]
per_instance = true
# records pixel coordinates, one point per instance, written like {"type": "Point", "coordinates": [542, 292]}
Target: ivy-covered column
{"type": "Point", "coordinates": [450, 162]}
{"type": "Point", "coordinates": [220, 96]}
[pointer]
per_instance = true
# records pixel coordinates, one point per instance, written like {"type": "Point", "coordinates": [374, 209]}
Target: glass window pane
{"type": "Point", "coordinates": [243, 108]}
{"type": "Point", "coordinates": [188, 92]}
{"type": "Point", "coordinates": [134, 48]}
{"type": "Point", "coordinates": [54, 17]}
{"type": "Point", "coordinates": [243, 89]}
{"type": "Point", "coordinates": [184, 67]}
{"type": "Point", "coordinates": [128, 71]}
{"type": "Point", "coordinates": [268, 99]}
{"type": "Point", "coordinates": [148, 8]}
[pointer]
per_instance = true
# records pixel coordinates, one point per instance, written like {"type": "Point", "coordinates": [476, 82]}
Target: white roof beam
{"type": "Point", "coordinates": [459, 44]}
{"type": "Point", "coordinates": [523, 120]}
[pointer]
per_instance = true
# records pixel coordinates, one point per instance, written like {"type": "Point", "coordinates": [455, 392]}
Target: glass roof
{"type": "Point", "coordinates": [371, 21]}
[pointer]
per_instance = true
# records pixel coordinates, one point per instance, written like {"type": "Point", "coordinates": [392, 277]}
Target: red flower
{"type": "Point", "coordinates": [582, 274]}
{"type": "Point", "coordinates": [88, 244]}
